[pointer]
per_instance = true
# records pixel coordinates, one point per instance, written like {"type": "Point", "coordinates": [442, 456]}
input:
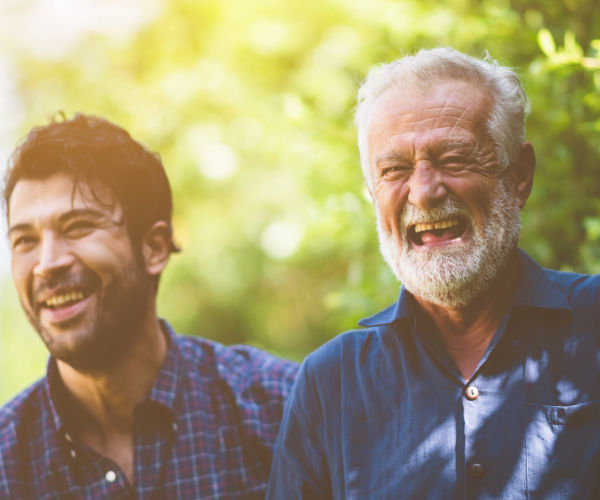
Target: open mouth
{"type": "Point", "coordinates": [60, 307]}
{"type": "Point", "coordinates": [65, 298]}
{"type": "Point", "coordinates": [58, 302]}
{"type": "Point", "coordinates": [437, 232]}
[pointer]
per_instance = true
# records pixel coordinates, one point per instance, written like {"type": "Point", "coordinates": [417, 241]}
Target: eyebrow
{"type": "Point", "coordinates": [71, 214]}
{"type": "Point", "coordinates": [435, 149]}
{"type": "Point", "coordinates": [81, 212]}
{"type": "Point", "coordinates": [391, 156]}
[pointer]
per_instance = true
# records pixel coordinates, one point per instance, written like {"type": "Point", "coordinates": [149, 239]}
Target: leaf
{"type": "Point", "coordinates": [571, 46]}
{"type": "Point", "coordinates": [592, 227]}
{"type": "Point", "coordinates": [546, 42]}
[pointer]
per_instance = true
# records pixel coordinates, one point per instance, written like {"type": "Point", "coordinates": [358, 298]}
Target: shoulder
{"type": "Point", "coordinates": [249, 387]}
{"type": "Point", "coordinates": [353, 347]}
{"type": "Point", "coordinates": [581, 290]}
{"type": "Point", "coordinates": [24, 407]}
{"type": "Point", "coordinates": [255, 371]}
{"type": "Point", "coordinates": [330, 379]}
{"type": "Point", "coordinates": [338, 367]}
{"type": "Point", "coordinates": [241, 367]}
{"type": "Point", "coordinates": [20, 424]}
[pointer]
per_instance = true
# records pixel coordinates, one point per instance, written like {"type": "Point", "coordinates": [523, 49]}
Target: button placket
{"type": "Point", "coordinates": [476, 470]}
{"type": "Point", "coordinates": [471, 393]}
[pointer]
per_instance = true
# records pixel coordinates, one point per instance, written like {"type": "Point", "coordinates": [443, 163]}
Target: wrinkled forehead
{"type": "Point", "coordinates": [423, 108]}
{"type": "Point", "coordinates": [59, 193]}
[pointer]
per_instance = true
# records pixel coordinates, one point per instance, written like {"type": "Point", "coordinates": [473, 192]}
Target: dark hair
{"type": "Point", "coordinates": [94, 150]}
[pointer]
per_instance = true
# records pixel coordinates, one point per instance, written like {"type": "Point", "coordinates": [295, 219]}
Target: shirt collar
{"type": "Point", "coordinates": [169, 384]}
{"type": "Point", "coordinates": [166, 391]}
{"type": "Point", "coordinates": [55, 394]}
{"type": "Point", "coordinates": [402, 308]}
{"type": "Point", "coordinates": [534, 289]}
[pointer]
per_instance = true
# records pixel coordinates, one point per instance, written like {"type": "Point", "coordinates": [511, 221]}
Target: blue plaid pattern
{"type": "Point", "coordinates": [206, 430]}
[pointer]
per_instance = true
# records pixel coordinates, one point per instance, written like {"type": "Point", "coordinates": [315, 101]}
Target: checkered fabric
{"type": "Point", "coordinates": [206, 430]}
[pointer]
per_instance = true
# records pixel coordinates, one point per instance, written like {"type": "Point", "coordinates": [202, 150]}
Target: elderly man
{"type": "Point", "coordinates": [128, 409]}
{"type": "Point", "coordinates": [482, 380]}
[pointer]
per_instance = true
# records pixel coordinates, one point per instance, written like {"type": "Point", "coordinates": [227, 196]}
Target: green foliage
{"type": "Point", "coordinates": [250, 105]}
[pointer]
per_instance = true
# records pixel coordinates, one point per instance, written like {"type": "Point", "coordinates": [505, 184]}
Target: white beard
{"type": "Point", "coordinates": [454, 276]}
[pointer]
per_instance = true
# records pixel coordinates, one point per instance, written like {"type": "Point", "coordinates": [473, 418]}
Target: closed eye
{"type": "Point", "coordinates": [79, 228]}
{"type": "Point", "coordinates": [395, 169]}
{"type": "Point", "coordinates": [23, 243]}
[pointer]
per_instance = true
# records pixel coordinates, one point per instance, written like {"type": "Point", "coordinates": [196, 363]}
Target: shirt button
{"type": "Point", "coordinates": [110, 476]}
{"type": "Point", "coordinates": [175, 427]}
{"type": "Point", "coordinates": [472, 392]}
{"type": "Point", "coordinates": [73, 454]}
{"type": "Point", "coordinates": [476, 470]}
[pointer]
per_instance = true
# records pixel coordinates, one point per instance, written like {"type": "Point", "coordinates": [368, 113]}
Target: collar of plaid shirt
{"type": "Point", "coordinates": [206, 430]}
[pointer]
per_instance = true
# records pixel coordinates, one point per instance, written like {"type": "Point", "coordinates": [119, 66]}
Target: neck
{"type": "Point", "coordinates": [466, 331]}
{"type": "Point", "coordinates": [103, 400]}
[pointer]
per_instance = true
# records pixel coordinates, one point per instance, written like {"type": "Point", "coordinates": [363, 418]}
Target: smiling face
{"type": "Point", "coordinates": [78, 277]}
{"type": "Point", "coordinates": [447, 218]}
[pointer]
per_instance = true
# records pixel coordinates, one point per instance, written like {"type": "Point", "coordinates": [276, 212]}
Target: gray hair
{"type": "Point", "coordinates": [506, 123]}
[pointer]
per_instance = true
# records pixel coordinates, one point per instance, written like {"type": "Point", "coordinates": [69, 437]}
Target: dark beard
{"type": "Point", "coordinates": [106, 340]}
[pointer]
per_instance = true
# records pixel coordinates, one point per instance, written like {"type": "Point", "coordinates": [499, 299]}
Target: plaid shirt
{"type": "Point", "coordinates": [206, 430]}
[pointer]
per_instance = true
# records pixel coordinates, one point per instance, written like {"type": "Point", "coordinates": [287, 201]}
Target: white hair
{"type": "Point", "coordinates": [506, 122]}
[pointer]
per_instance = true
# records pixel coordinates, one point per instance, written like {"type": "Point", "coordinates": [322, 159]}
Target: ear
{"type": "Point", "coordinates": [155, 248]}
{"type": "Point", "coordinates": [521, 173]}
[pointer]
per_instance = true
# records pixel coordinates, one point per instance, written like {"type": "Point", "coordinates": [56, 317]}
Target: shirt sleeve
{"type": "Point", "coordinates": [299, 469]}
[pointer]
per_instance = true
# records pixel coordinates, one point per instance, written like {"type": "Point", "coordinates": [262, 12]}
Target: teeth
{"type": "Point", "coordinates": [58, 300]}
{"type": "Point", "coordinates": [419, 228]}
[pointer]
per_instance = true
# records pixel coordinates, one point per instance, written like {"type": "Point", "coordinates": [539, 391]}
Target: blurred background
{"type": "Point", "coordinates": [250, 104]}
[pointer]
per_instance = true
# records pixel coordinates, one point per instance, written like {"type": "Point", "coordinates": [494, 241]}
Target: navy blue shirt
{"type": "Point", "coordinates": [384, 412]}
{"type": "Point", "coordinates": [206, 430]}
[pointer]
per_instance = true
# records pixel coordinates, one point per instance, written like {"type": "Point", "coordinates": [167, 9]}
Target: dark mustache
{"type": "Point", "coordinates": [83, 280]}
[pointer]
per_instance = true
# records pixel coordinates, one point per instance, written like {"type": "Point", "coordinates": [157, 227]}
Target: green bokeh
{"type": "Point", "coordinates": [250, 105]}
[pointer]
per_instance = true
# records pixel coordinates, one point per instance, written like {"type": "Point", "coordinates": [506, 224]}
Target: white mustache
{"type": "Point", "coordinates": [411, 215]}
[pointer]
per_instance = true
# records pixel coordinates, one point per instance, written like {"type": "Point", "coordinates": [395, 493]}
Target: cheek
{"type": "Point", "coordinates": [22, 273]}
{"type": "Point", "coordinates": [103, 253]}
{"type": "Point", "coordinates": [391, 197]}
{"type": "Point", "coordinates": [111, 264]}
{"type": "Point", "coordinates": [482, 202]}
{"type": "Point", "coordinates": [477, 194]}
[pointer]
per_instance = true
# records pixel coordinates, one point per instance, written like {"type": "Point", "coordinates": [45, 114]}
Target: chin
{"type": "Point", "coordinates": [450, 279]}
{"type": "Point", "coordinates": [456, 275]}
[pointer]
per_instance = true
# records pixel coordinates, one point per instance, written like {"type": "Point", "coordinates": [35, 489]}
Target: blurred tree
{"type": "Point", "coordinates": [251, 104]}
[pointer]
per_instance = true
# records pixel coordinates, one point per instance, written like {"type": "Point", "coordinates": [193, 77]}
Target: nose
{"type": "Point", "coordinates": [53, 256]}
{"type": "Point", "coordinates": [426, 187]}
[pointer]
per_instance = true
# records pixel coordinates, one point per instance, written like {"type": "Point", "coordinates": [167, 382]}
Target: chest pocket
{"type": "Point", "coordinates": [563, 451]}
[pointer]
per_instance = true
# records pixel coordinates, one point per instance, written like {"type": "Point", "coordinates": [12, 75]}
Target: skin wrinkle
{"type": "Point", "coordinates": [500, 84]}
{"type": "Point", "coordinates": [489, 157]}
{"type": "Point", "coordinates": [462, 112]}
{"type": "Point", "coordinates": [481, 163]}
{"type": "Point", "coordinates": [64, 219]}
{"type": "Point", "coordinates": [403, 129]}
{"type": "Point", "coordinates": [459, 118]}
{"type": "Point", "coordinates": [438, 151]}
{"type": "Point", "coordinates": [430, 119]}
